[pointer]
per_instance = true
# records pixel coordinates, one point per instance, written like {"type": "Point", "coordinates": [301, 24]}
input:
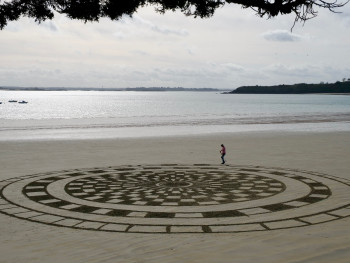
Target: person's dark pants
{"type": "Point", "coordinates": [222, 158]}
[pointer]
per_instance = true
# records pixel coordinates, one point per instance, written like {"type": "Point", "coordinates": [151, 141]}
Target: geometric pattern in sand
{"type": "Point", "coordinates": [172, 198]}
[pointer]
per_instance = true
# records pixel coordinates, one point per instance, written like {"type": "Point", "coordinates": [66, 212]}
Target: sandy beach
{"type": "Point", "coordinates": [326, 153]}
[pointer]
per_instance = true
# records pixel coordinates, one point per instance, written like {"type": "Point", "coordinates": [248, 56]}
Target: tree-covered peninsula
{"type": "Point", "coordinates": [302, 88]}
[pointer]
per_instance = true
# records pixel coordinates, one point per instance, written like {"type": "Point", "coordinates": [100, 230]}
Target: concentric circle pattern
{"type": "Point", "coordinates": [177, 198]}
{"type": "Point", "coordinates": [168, 187]}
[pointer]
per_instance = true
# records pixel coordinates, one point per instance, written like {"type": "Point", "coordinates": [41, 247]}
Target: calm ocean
{"type": "Point", "coordinates": [120, 114]}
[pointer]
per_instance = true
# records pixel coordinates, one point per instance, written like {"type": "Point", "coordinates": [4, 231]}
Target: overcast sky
{"type": "Point", "coordinates": [231, 49]}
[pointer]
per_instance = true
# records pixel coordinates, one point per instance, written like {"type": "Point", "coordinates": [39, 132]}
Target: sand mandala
{"type": "Point", "coordinates": [177, 198]}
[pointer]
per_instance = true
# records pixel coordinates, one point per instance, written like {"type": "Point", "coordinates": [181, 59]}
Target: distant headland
{"type": "Point", "coordinates": [301, 88]}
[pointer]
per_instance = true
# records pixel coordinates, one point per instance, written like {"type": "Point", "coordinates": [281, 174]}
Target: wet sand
{"type": "Point", "coordinates": [25, 241]}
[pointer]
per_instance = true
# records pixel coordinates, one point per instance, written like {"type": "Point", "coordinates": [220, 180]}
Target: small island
{"type": "Point", "coordinates": [301, 88]}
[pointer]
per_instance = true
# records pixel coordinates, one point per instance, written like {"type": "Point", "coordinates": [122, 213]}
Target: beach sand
{"type": "Point", "coordinates": [26, 241]}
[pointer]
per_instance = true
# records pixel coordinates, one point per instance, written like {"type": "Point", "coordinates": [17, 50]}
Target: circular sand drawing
{"type": "Point", "coordinates": [177, 198]}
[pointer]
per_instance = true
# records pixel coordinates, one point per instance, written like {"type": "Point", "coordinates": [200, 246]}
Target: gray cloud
{"type": "Point", "coordinates": [289, 74]}
{"type": "Point", "coordinates": [12, 27]}
{"type": "Point", "coordinates": [298, 71]}
{"type": "Point", "coordinates": [50, 25]}
{"type": "Point", "coordinates": [155, 50]}
{"type": "Point", "coordinates": [282, 36]}
{"type": "Point", "coordinates": [139, 53]}
{"type": "Point", "coordinates": [119, 35]}
{"type": "Point", "coordinates": [233, 67]}
{"type": "Point", "coordinates": [159, 29]}
{"type": "Point", "coordinates": [345, 15]}
{"type": "Point", "coordinates": [191, 50]}
{"type": "Point", "coordinates": [213, 75]}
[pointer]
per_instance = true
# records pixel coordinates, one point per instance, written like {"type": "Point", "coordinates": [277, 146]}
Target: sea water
{"type": "Point", "coordinates": [120, 114]}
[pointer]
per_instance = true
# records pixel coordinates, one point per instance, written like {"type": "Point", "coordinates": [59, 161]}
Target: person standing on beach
{"type": "Point", "coordinates": [223, 153]}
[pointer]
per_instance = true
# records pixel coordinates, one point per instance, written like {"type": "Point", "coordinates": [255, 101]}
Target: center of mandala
{"type": "Point", "coordinates": [165, 187]}
{"type": "Point", "coordinates": [175, 184]}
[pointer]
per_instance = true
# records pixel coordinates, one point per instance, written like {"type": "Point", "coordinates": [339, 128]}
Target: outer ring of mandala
{"type": "Point", "coordinates": [111, 199]}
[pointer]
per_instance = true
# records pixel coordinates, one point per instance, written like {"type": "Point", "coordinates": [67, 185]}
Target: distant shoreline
{"type": "Point", "coordinates": [145, 89]}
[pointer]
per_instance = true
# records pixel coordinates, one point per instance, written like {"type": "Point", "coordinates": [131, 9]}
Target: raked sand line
{"type": "Point", "coordinates": [177, 198]}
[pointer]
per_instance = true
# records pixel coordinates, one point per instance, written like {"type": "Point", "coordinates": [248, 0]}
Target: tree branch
{"type": "Point", "coordinates": [93, 10]}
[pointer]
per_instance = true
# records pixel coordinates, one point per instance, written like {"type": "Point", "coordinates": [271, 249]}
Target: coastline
{"type": "Point", "coordinates": [326, 152]}
{"type": "Point", "coordinates": [107, 130]}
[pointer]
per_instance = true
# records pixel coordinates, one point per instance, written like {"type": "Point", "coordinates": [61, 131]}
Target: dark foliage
{"type": "Point", "coordinates": [93, 10]}
{"type": "Point", "coordinates": [302, 88]}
